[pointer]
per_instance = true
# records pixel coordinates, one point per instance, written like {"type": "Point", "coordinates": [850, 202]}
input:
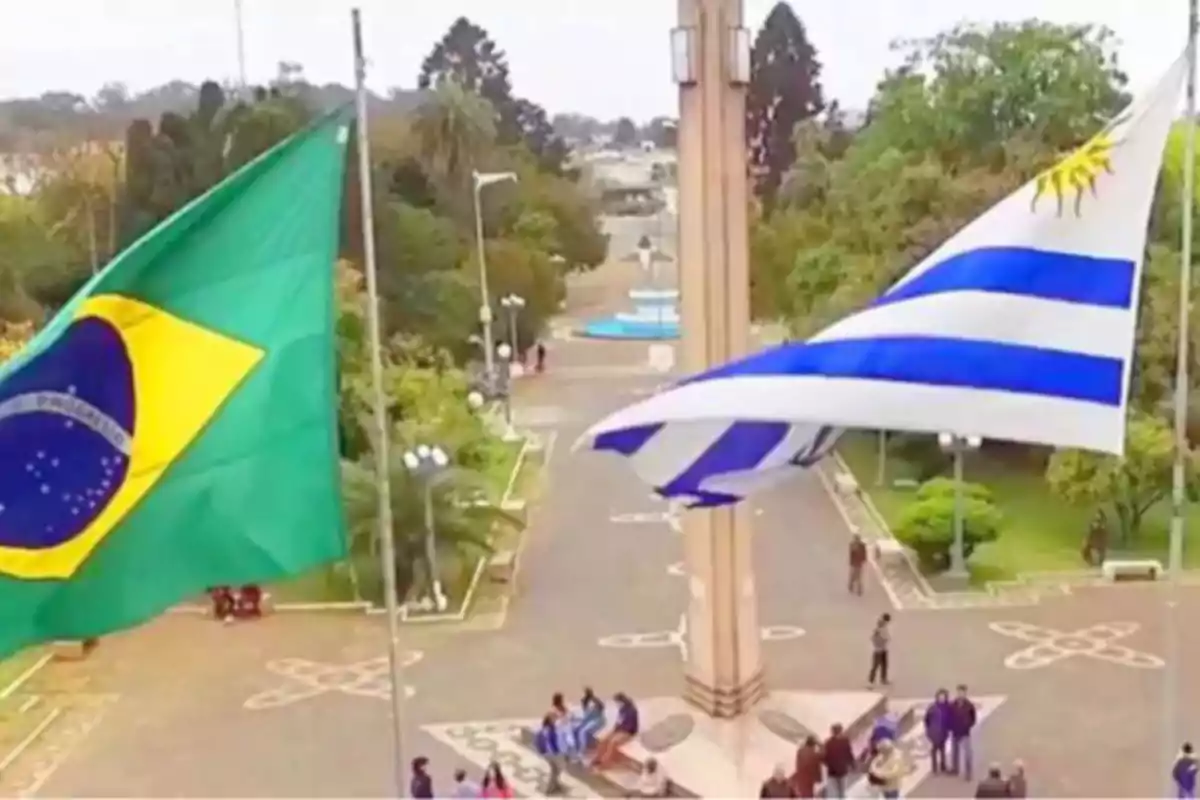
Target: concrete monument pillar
{"type": "Point", "coordinates": [724, 671]}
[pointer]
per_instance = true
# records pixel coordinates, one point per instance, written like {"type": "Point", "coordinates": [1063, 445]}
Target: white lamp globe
{"type": "Point", "coordinates": [422, 451]}
{"type": "Point", "coordinates": [439, 457]}
{"type": "Point", "coordinates": [946, 439]}
{"type": "Point", "coordinates": [411, 461]}
{"type": "Point", "coordinates": [504, 350]}
{"type": "Point", "coordinates": [475, 400]}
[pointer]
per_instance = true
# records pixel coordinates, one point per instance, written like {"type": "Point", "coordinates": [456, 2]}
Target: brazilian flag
{"type": "Point", "coordinates": [174, 427]}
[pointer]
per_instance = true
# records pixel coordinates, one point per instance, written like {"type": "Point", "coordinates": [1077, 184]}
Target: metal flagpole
{"type": "Point", "coordinates": [1172, 716]}
{"type": "Point", "coordinates": [387, 548]}
{"type": "Point", "coordinates": [241, 47]}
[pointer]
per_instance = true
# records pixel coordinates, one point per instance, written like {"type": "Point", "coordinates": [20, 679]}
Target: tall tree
{"type": "Point", "coordinates": [785, 89]}
{"type": "Point", "coordinates": [468, 57]}
{"type": "Point", "coordinates": [966, 94]}
{"type": "Point", "coordinates": [454, 128]}
{"type": "Point", "coordinates": [626, 134]}
{"type": "Point", "coordinates": [538, 135]}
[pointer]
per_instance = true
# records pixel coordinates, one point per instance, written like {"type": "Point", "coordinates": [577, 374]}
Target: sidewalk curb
{"type": "Point", "coordinates": [26, 676]}
{"type": "Point", "coordinates": [30, 739]}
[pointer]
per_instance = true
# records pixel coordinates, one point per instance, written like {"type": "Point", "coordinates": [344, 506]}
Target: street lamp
{"type": "Point", "coordinates": [958, 446]}
{"type": "Point", "coordinates": [426, 464]}
{"type": "Point", "coordinates": [504, 390]}
{"type": "Point", "coordinates": [480, 180]}
{"type": "Point", "coordinates": [495, 387]}
{"type": "Point", "coordinates": [512, 303]}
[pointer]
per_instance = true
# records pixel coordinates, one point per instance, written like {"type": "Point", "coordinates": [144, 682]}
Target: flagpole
{"type": "Point", "coordinates": [387, 548]}
{"type": "Point", "coordinates": [241, 49]}
{"type": "Point", "coordinates": [1172, 715]}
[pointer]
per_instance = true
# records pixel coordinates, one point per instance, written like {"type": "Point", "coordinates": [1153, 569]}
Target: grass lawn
{"type": "Point", "coordinates": [527, 487]}
{"type": "Point", "coordinates": [1041, 534]}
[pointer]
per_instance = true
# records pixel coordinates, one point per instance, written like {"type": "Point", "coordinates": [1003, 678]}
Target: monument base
{"type": "Point", "coordinates": [732, 756]}
{"type": "Point", "coordinates": [725, 702]}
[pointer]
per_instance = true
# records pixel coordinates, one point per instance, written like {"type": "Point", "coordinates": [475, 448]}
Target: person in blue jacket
{"type": "Point", "coordinates": [549, 747]}
{"type": "Point", "coordinates": [1185, 772]}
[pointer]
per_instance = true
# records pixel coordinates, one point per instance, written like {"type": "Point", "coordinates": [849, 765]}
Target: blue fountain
{"type": "Point", "coordinates": [655, 315]}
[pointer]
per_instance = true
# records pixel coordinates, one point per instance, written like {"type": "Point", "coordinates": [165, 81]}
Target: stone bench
{"type": "Point", "coordinates": [888, 550]}
{"type": "Point", "coordinates": [846, 484]}
{"type": "Point", "coordinates": [74, 650]}
{"type": "Point", "coordinates": [501, 566]}
{"type": "Point", "coordinates": [1133, 569]}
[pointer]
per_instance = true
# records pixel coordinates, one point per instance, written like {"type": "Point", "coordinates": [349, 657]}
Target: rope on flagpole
{"type": "Point", "coordinates": [387, 545]}
{"type": "Point", "coordinates": [1172, 716]}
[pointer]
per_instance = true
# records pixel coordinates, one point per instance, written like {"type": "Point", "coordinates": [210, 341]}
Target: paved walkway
{"type": "Point", "coordinates": [295, 705]}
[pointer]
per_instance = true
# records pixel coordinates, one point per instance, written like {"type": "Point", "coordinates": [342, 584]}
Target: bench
{"type": "Point", "coordinates": [617, 781]}
{"type": "Point", "coordinates": [74, 650]}
{"type": "Point", "coordinates": [845, 483]}
{"type": "Point", "coordinates": [500, 566]}
{"type": "Point", "coordinates": [888, 550]}
{"type": "Point", "coordinates": [1139, 569]}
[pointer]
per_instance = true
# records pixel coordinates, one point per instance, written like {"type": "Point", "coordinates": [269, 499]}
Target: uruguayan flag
{"type": "Point", "coordinates": [1020, 327]}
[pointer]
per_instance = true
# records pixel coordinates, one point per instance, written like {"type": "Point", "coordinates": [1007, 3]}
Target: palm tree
{"type": "Point", "coordinates": [463, 528]}
{"type": "Point", "coordinates": [454, 130]}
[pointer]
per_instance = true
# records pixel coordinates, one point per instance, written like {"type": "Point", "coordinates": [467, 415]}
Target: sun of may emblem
{"type": "Point", "coordinates": [1078, 172]}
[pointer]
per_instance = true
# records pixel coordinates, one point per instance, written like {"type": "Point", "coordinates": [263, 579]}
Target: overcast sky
{"type": "Point", "coordinates": [603, 57]}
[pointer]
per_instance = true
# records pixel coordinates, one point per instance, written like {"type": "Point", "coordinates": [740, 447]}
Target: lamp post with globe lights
{"type": "Point", "coordinates": [480, 180]}
{"type": "Point", "coordinates": [958, 446]}
{"type": "Point", "coordinates": [512, 305]}
{"type": "Point", "coordinates": [427, 464]}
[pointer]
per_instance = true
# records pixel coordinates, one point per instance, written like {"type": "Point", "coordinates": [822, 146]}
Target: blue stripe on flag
{"type": "Point", "coordinates": [1027, 272]}
{"type": "Point", "coordinates": [626, 441]}
{"type": "Point", "coordinates": [934, 361]}
{"type": "Point", "coordinates": [741, 447]}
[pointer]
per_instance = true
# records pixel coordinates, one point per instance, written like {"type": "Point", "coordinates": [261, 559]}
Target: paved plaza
{"type": "Point", "coordinates": [297, 704]}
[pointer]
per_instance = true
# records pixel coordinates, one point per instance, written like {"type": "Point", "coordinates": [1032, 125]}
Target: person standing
{"type": "Point", "coordinates": [494, 782]}
{"type": "Point", "coordinates": [937, 731]}
{"type": "Point", "coordinates": [838, 755]}
{"type": "Point", "coordinates": [1185, 772]}
{"type": "Point", "coordinates": [858, 559]}
{"type": "Point", "coordinates": [464, 788]}
{"type": "Point", "coordinates": [808, 768]}
{"type": "Point", "coordinates": [962, 722]}
{"type": "Point", "coordinates": [421, 785]}
{"type": "Point", "coordinates": [549, 746]}
{"type": "Point", "coordinates": [540, 351]}
{"type": "Point", "coordinates": [881, 640]}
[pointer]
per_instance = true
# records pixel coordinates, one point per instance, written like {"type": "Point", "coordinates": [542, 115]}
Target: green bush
{"type": "Point", "coordinates": [920, 451]}
{"type": "Point", "coordinates": [926, 525]}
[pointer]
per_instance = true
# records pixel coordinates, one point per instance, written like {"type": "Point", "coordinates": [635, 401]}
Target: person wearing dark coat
{"type": "Point", "coordinates": [777, 785]}
{"type": "Point", "coordinates": [421, 785]}
{"type": "Point", "coordinates": [809, 768]}
{"type": "Point", "coordinates": [838, 755]}
{"type": "Point", "coordinates": [937, 730]}
{"type": "Point", "coordinates": [993, 785]}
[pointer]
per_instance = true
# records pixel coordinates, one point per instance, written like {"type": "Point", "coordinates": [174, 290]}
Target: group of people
{"type": "Point", "coordinates": [582, 735]}
{"type": "Point", "coordinates": [231, 603]}
{"type": "Point", "coordinates": [493, 783]}
{"type": "Point", "coordinates": [826, 768]}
